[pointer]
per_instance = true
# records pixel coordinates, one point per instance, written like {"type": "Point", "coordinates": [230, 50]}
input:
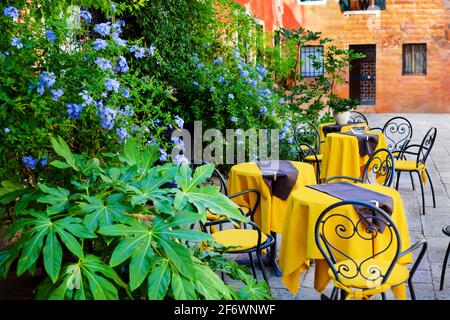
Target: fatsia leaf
{"type": "Point", "coordinates": [52, 254]}
{"type": "Point", "coordinates": [57, 198]}
{"type": "Point", "coordinates": [9, 191]}
{"type": "Point", "coordinates": [178, 256]}
{"type": "Point", "coordinates": [182, 288]}
{"type": "Point", "coordinates": [148, 189]}
{"type": "Point", "coordinates": [158, 281]}
{"type": "Point", "coordinates": [210, 285]}
{"type": "Point", "coordinates": [140, 263]}
{"type": "Point", "coordinates": [100, 213]}
{"type": "Point", "coordinates": [62, 149]}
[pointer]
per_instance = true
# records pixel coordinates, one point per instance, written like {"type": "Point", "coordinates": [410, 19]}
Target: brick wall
{"type": "Point", "coordinates": [403, 21]}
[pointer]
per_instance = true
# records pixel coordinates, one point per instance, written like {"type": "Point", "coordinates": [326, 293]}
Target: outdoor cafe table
{"type": "Point", "coordinates": [344, 128]}
{"type": "Point", "coordinates": [340, 155]}
{"type": "Point", "coordinates": [298, 245]}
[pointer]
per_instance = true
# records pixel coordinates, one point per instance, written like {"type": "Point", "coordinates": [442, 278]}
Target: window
{"type": "Point", "coordinates": [312, 61]}
{"type": "Point", "coordinates": [311, 1]}
{"type": "Point", "coordinates": [415, 59]}
{"type": "Point", "coordinates": [362, 5]}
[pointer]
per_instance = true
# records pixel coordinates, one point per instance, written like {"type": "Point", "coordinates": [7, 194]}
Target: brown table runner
{"type": "Point", "coordinates": [330, 128]}
{"type": "Point", "coordinates": [280, 176]}
{"type": "Point", "coordinates": [367, 142]}
{"type": "Point", "coordinates": [348, 191]}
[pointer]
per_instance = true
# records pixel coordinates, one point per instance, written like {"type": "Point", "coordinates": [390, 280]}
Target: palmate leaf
{"type": "Point", "coordinates": [90, 278]}
{"type": "Point", "coordinates": [254, 290]}
{"type": "Point", "coordinates": [144, 159]}
{"type": "Point", "coordinates": [209, 285]}
{"type": "Point", "coordinates": [165, 228]}
{"type": "Point", "coordinates": [158, 281]}
{"type": "Point", "coordinates": [182, 288]}
{"type": "Point", "coordinates": [201, 173]}
{"type": "Point", "coordinates": [41, 235]}
{"type": "Point", "coordinates": [62, 149]}
{"type": "Point", "coordinates": [9, 191]}
{"type": "Point", "coordinates": [101, 213]}
{"type": "Point", "coordinates": [57, 198]}
{"type": "Point", "coordinates": [179, 256]}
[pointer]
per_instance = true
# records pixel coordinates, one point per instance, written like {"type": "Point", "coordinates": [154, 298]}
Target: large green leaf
{"type": "Point", "coordinates": [9, 191]}
{"type": "Point", "coordinates": [209, 285]}
{"type": "Point", "coordinates": [158, 281]}
{"type": "Point", "coordinates": [52, 254]}
{"type": "Point", "coordinates": [144, 159]}
{"type": "Point", "coordinates": [62, 149]}
{"type": "Point", "coordinates": [179, 256]}
{"type": "Point", "coordinates": [140, 263]}
{"type": "Point", "coordinates": [57, 198]}
{"type": "Point", "coordinates": [100, 213]}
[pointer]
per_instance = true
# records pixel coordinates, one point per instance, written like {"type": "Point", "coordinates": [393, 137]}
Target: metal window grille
{"type": "Point", "coordinates": [312, 61]}
{"type": "Point", "coordinates": [415, 59]}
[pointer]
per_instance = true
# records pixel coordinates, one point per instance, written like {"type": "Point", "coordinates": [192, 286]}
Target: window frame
{"type": "Point", "coordinates": [322, 70]}
{"type": "Point", "coordinates": [404, 46]}
{"type": "Point", "coordinates": [311, 2]}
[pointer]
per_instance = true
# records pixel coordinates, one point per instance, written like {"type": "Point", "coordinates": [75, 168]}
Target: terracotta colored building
{"type": "Point", "coordinates": [406, 43]}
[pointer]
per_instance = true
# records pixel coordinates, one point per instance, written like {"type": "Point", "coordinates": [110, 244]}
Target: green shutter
{"type": "Point", "coordinates": [381, 4]}
{"type": "Point", "coordinates": [345, 5]}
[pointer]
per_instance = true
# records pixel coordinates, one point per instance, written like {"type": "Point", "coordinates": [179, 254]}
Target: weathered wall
{"type": "Point", "coordinates": [403, 21]}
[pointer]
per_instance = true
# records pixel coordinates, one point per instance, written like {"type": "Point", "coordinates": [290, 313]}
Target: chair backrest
{"type": "Point", "coordinates": [306, 132]}
{"type": "Point", "coordinates": [335, 229]}
{"type": "Point", "coordinates": [305, 150]}
{"type": "Point", "coordinates": [398, 131]}
{"type": "Point", "coordinates": [358, 117]}
{"type": "Point", "coordinates": [426, 145]}
{"type": "Point", "coordinates": [216, 179]}
{"type": "Point", "coordinates": [380, 165]}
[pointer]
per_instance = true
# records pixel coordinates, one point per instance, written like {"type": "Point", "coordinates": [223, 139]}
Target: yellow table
{"type": "Point", "coordinates": [340, 155]}
{"type": "Point", "coordinates": [345, 128]}
{"type": "Point", "coordinates": [272, 210]}
{"type": "Point", "coordinates": [298, 245]}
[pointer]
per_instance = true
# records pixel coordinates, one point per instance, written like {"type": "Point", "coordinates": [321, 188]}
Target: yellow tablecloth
{"type": "Point", "coordinates": [340, 155]}
{"type": "Point", "coordinates": [272, 210]}
{"type": "Point", "coordinates": [298, 245]}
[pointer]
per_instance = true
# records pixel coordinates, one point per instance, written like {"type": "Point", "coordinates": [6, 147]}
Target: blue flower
{"type": "Point", "coordinates": [231, 96]}
{"type": "Point", "coordinates": [51, 36]}
{"type": "Point", "coordinates": [103, 29]}
{"type": "Point", "coordinates": [43, 161]}
{"type": "Point", "coordinates": [253, 83]}
{"type": "Point", "coordinates": [239, 66]}
{"type": "Point", "coordinates": [107, 117]}
{"type": "Point", "coordinates": [222, 79]}
{"type": "Point", "coordinates": [218, 60]}
{"type": "Point", "coordinates": [194, 83]}
{"type": "Point", "coordinates": [151, 50]}
{"type": "Point", "coordinates": [199, 65]}
{"type": "Point", "coordinates": [139, 52]}
{"type": "Point", "coordinates": [262, 71]}
{"type": "Point", "coordinates": [281, 101]}
{"type": "Point", "coordinates": [125, 93]}
{"type": "Point", "coordinates": [30, 162]}
{"type": "Point", "coordinates": [290, 140]}
{"type": "Point", "coordinates": [122, 65]}
{"type": "Point", "coordinates": [287, 123]}
{"type": "Point", "coordinates": [263, 110]}
{"type": "Point", "coordinates": [103, 63]}
{"type": "Point", "coordinates": [11, 12]}
{"type": "Point", "coordinates": [163, 155]}
{"type": "Point", "coordinates": [87, 99]}
{"type": "Point", "coordinates": [112, 84]}
{"type": "Point", "coordinates": [179, 121]}
{"type": "Point", "coordinates": [113, 7]}
{"type": "Point", "coordinates": [244, 73]}
{"type": "Point", "coordinates": [86, 15]}
{"type": "Point", "coordinates": [16, 42]}
{"type": "Point", "coordinates": [127, 111]}
{"type": "Point", "coordinates": [211, 89]}
{"type": "Point", "coordinates": [57, 93]}
{"type": "Point", "coordinates": [234, 119]}
{"type": "Point", "coordinates": [117, 26]}
{"type": "Point", "coordinates": [100, 44]}
{"type": "Point", "coordinates": [236, 54]}
{"type": "Point", "coordinates": [46, 80]}
{"type": "Point", "coordinates": [74, 110]}
{"type": "Point", "coordinates": [120, 42]}
{"type": "Point", "coordinates": [122, 134]}
{"type": "Point", "coordinates": [7, 130]}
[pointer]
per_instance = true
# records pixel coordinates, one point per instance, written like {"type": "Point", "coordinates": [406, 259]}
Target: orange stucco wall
{"type": "Point", "coordinates": [403, 21]}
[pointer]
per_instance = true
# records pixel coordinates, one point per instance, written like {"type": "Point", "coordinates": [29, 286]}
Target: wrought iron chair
{"type": "Point", "coordinates": [358, 117]}
{"type": "Point", "coordinates": [307, 138]}
{"type": "Point", "coordinates": [363, 277]}
{"type": "Point", "coordinates": [446, 231]}
{"type": "Point", "coordinates": [418, 166]}
{"type": "Point", "coordinates": [380, 164]}
{"type": "Point", "coordinates": [243, 240]}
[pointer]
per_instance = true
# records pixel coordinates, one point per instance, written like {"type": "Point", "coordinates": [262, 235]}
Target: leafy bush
{"type": "Point", "coordinates": [120, 232]}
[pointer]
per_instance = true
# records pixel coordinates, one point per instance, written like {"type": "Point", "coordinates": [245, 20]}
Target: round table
{"type": "Point", "coordinates": [271, 212]}
{"type": "Point", "coordinates": [345, 128]}
{"type": "Point", "coordinates": [298, 245]}
{"type": "Point", "coordinates": [340, 155]}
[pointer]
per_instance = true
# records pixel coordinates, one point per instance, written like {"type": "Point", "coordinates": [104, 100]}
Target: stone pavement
{"type": "Point", "coordinates": [429, 226]}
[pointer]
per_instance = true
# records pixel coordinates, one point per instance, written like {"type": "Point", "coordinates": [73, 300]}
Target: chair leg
{"type": "Point", "coordinates": [432, 188]}
{"type": "Point", "coordinates": [412, 181]}
{"type": "Point", "coordinates": [253, 264]}
{"type": "Point", "coordinates": [444, 267]}
{"type": "Point", "coordinates": [398, 179]}
{"type": "Point", "coordinates": [422, 191]}
{"type": "Point", "coordinates": [334, 294]}
{"type": "Point", "coordinates": [383, 296]}
{"type": "Point", "coordinates": [263, 270]}
{"type": "Point", "coordinates": [411, 289]}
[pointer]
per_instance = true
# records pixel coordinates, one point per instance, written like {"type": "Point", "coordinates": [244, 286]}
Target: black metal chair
{"type": "Point", "coordinates": [418, 166]}
{"type": "Point", "coordinates": [446, 231]}
{"type": "Point", "coordinates": [306, 132]}
{"type": "Point", "coordinates": [242, 240]}
{"type": "Point", "coordinates": [367, 275]}
{"type": "Point", "coordinates": [380, 164]}
{"type": "Point", "coordinates": [308, 154]}
{"type": "Point", "coordinates": [358, 117]}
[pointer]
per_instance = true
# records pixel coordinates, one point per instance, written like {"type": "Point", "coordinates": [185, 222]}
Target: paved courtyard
{"type": "Point", "coordinates": [429, 226]}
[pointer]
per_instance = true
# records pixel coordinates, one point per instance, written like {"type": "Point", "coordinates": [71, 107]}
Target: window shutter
{"type": "Point", "coordinates": [345, 5]}
{"type": "Point", "coordinates": [381, 4]}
